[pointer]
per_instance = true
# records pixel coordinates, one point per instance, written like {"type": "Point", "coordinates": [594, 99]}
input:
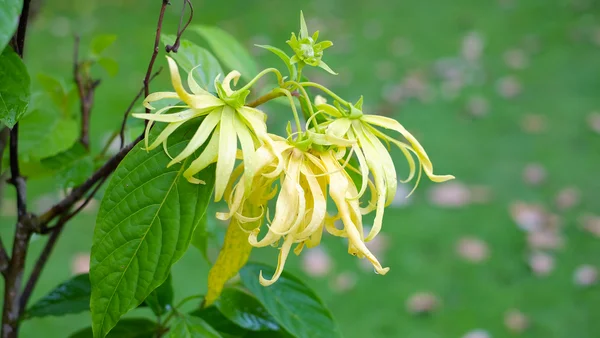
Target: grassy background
{"type": "Point", "coordinates": [418, 62]}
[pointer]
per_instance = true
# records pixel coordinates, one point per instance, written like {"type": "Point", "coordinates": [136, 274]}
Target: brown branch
{"type": "Point", "coordinates": [85, 89]}
{"type": "Point", "coordinates": [4, 132]}
{"type": "Point", "coordinates": [55, 232]}
{"type": "Point", "coordinates": [173, 48]}
{"type": "Point", "coordinates": [14, 301]}
{"type": "Point", "coordinates": [159, 25]}
{"type": "Point", "coordinates": [77, 193]}
{"type": "Point", "coordinates": [129, 108]}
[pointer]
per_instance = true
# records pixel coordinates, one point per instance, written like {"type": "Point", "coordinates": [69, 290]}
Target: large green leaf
{"type": "Point", "coordinates": [71, 167]}
{"type": "Point", "coordinates": [9, 19]}
{"type": "Point", "coordinates": [72, 296]}
{"type": "Point", "coordinates": [46, 133]}
{"type": "Point", "coordinates": [245, 310]}
{"type": "Point", "coordinates": [191, 56]}
{"type": "Point", "coordinates": [160, 300]}
{"type": "Point", "coordinates": [144, 225]}
{"type": "Point", "coordinates": [126, 328]}
{"type": "Point", "coordinates": [295, 307]}
{"type": "Point", "coordinates": [218, 321]}
{"type": "Point", "coordinates": [186, 326]}
{"type": "Point", "coordinates": [14, 87]}
{"type": "Point", "coordinates": [228, 50]}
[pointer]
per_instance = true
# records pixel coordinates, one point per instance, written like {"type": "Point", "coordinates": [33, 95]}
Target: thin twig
{"type": "Point", "coordinates": [55, 232]}
{"type": "Point", "coordinates": [40, 263]}
{"type": "Point", "coordinates": [163, 8]}
{"type": "Point", "coordinates": [129, 108]}
{"type": "Point", "coordinates": [85, 89]}
{"type": "Point", "coordinates": [14, 272]}
{"type": "Point", "coordinates": [78, 192]}
{"type": "Point", "coordinates": [173, 48]}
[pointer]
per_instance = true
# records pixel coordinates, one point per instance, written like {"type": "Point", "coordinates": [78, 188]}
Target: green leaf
{"type": "Point", "coordinates": [110, 65]}
{"type": "Point", "coordinates": [101, 43]}
{"type": "Point", "coordinates": [72, 166]}
{"type": "Point", "coordinates": [9, 19]}
{"type": "Point", "coordinates": [144, 225]}
{"type": "Point", "coordinates": [15, 90]}
{"type": "Point", "coordinates": [284, 57]}
{"type": "Point", "coordinates": [295, 307]}
{"type": "Point", "coordinates": [126, 328]}
{"type": "Point", "coordinates": [161, 298]}
{"type": "Point", "coordinates": [201, 236]}
{"type": "Point", "coordinates": [228, 50]}
{"type": "Point", "coordinates": [186, 326]}
{"type": "Point", "coordinates": [72, 296]}
{"type": "Point", "coordinates": [57, 92]}
{"type": "Point", "coordinates": [45, 133]}
{"type": "Point", "coordinates": [218, 321]}
{"type": "Point", "coordinates": [245, 310]}
{"type": "Point", "coordinates": [190, 55]}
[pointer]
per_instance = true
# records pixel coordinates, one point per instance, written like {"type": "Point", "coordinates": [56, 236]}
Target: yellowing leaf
{"type": "Point", "coordinates": [233, 256]}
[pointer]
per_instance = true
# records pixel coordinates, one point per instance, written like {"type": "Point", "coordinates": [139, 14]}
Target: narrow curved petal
{"type": "Point", "coordinates": [157, 97]}
{"type": "Point", "coordinates": [319, 201]}
{"type": "Point", "coordinates": [389, 170]}
{"type": "Point", "coordinates": [183, 115]}
{"type": "Point", "coordinates": [204, 130]}
{"type": "Point", "coordinates": [176, 81]}
{"type": "Point", "coordinates": [194, 86]}
{"type": "Point", "coordinates": [386, 122]}
{"type": "Point", "coordinates": [374, 162]}
{"type": "Point", "coordinates": [227, 152]}
{"type": "Point", "coordinates": [247, 145]}
{"type": "Point", "coordinates": [169, 129]}
{"type": "Point", "coordinates": [208, 156]}
{"type": "Point", "coordinates": [283, 254]}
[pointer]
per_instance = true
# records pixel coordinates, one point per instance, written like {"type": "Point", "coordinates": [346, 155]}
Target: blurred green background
{"type": "Point", "coordinates": [503, 94]}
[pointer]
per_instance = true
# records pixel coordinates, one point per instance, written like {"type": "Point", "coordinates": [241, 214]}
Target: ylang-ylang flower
{"type": "Point", "coordinates": [225, 121]}
{"type": "Point", "coordinates": [373, 156]}
{"type": "Point", "coordinates": [306, 178]}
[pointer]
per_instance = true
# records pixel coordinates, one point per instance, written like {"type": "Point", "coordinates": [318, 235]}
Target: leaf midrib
{"type": "Point", "coordinates": [138, 248]}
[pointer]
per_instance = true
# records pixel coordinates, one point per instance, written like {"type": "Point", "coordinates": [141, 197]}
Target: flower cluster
{"type": "Point", "coordinates": [325, 176]}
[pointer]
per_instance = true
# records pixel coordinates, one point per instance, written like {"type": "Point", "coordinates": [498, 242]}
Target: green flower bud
{"type": "Point", "coordinates": [307, 50]}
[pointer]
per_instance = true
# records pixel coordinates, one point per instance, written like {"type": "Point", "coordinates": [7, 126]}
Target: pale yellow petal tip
{"type": "Point", "coordinates": [381, 271]}
{"type": "Point", "coordinates": [266, 282]}
{"type": "Point", "coordinates": [194, 180]}
{"type": "Point", "coordinates": [441, 178]}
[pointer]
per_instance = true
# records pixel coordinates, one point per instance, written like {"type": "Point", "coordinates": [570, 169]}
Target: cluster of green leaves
{"type": "Point", "coordinates": [245, 309]}
{"type": "Point", "coordinates": [46, 109]}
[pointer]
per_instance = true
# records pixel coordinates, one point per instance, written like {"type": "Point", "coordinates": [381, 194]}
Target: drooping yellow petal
{"type": "Point", "coordinates": [247, 144]}
{"type": "Point", "coordinates": [150, 123]}
{"type": "Point", "coordinates": [169, 129]}
{"type": "Point", "coordinates": [194, 86]}
{"type": "Point", "coordinates": [157, 97]}
{"type": "Point", "coordinates": [374, 161]}
{"type": "Point", "coordinates": [208, 156]}
{"type": "Point", "coordinates": [202, 133]}
{"type": "Point", "coordinates": [183, 115]}
{"type": "Point", "coordinates": [227, 152]}
{"type": "Point", "coordinates": [386, 122]}
{"type": "Point", "coordinates": [176, 81]}
{"type": "Point", "coordinates": [284, 251]}
{"type": "Point", "coordinates": [338, 189]}
{"type": "Point", "coordinates": [405, 148]}
{"type": "Point", "coordinates": [319, 209]}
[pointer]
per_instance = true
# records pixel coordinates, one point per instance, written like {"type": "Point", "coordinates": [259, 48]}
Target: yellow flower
{"type": "Point", "coordinates": [301, 206]}
{"type": "Point", "coordinates": [373, 157]}
{"type": "Point", "coordinates": [226, 120]}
